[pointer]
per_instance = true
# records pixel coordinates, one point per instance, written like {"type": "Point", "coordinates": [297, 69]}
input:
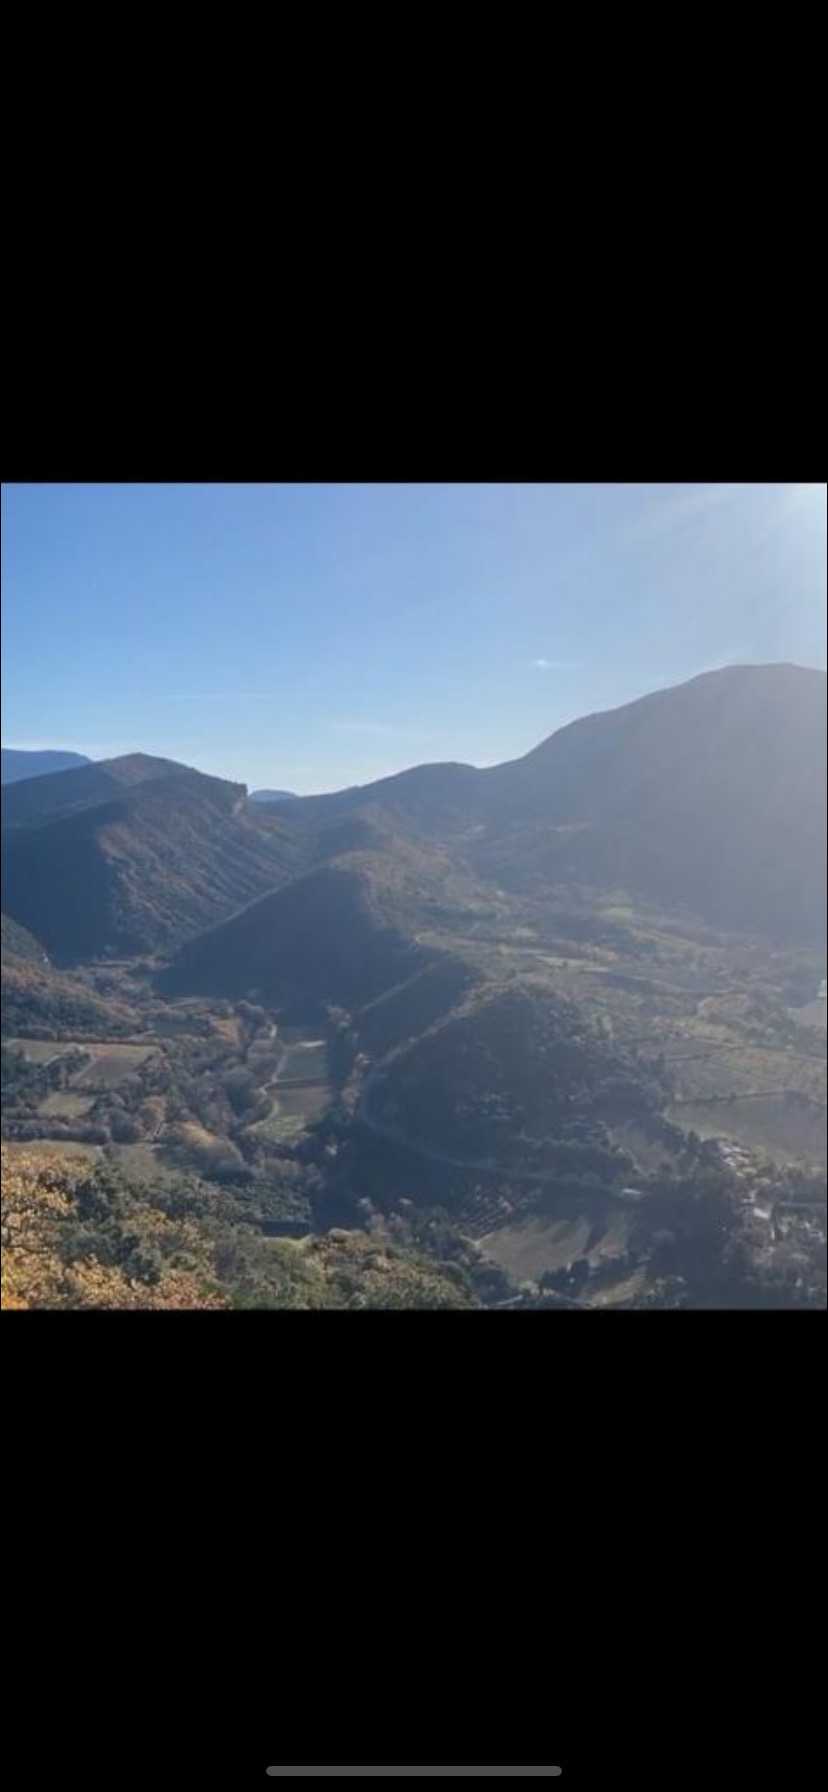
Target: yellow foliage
{"type": "Point", "coordinates": [37, 1191]}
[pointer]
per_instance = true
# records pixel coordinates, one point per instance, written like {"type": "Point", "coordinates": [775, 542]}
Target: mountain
{"type": "Point", "coordinates": [15, 763]}
{"type": "Point", "coordinates": [343, 933]}
{"type": "Point", "coordinates": [506, 1069]}
{"type": "Point", "coordinates": [44, 798]}
{"type": "Point", "coordinates": [134, 855]}
{"type": "Point", "coordinates": [271, 796]}
{"type": "Point", "coordinates": [37, 999]}
{"type": "Point", "coordinates": [709, 797]}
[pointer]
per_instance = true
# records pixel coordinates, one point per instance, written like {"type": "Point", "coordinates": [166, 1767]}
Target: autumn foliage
{"type": "Point", "coordinates": [50, 1260]}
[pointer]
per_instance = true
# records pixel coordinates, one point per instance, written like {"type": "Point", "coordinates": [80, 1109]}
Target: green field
{"type": "Point", "coordinates": [291, 1111]}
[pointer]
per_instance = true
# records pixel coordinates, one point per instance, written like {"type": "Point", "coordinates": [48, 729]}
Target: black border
{"type": "Point", "coordinates": [231, 1538]}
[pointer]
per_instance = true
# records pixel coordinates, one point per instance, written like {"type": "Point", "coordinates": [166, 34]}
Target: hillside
{"type": "Point", "coordinates": [38, 1000]}
{"type": "Point", "coordinates": [708, 798]}
{"type": "Point", "coordinates": [510, 1070]}
{"type": "Point", "coordinates": [16, 763]}
{"type": "Point", "coordinates": [143, 869]}
{"type": "Point", "coordinates": [80, 1237]}
{"type": "Point", "coordinates": [425, 802]}
{"type": "Point", "coordinates": [341, 934]}
{"type": "Point", "coordinates": [271, 796]}
{"type": "Point", "coordinates": [17, 943]}
{"type": "Point", "coordinates": [35, 800]}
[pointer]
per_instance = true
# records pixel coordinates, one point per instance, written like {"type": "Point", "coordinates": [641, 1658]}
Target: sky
{"type": "Point", "coordinates": [308, 637]}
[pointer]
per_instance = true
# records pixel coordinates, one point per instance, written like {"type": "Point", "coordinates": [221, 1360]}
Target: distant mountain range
{"type": "Point", "coordinates": [709, 798]}
{"type": "Point", "coordinates": [16, 764]}
{"type": "Point", "coordinates": [530, 1034]}
{"type": "Point", "coordinates": [133, 855]}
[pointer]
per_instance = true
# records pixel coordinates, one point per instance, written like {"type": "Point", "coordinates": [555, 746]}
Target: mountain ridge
{"type": "Point", "coordinates": [17, 763]}
{"type": "Point", "coordinates": [131, 861]}
{"type": "Point", "coordinates": [706, 797]}
{"type": "Point", "coordinates": [709, 794]}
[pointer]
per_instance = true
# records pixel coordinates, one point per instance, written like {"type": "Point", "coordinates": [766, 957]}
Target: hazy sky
{"type": "Point", "coordinates": [311, 636]}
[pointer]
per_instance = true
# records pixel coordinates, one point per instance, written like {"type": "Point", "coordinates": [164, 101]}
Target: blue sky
{"type": "Point", "coordinates": [313, 636]}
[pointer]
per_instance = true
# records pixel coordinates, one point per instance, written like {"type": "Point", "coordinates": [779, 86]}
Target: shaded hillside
{"type": "Point", "coordinates": [409, 1008]}
{"type": "Point", "coordinates": [343, 933]}
{"type": "Point", "coordinates": [508, 1071]}
{"type": "Point", "coordinates": [142, 871]}
{"type": "Point", "coordinates": [271, 796]}
{"type": "Point", "coordinates": [36, 800]}
{"type": "Point", "coordinates": [429, 801]}
{"type": "Point", "coordinates": [15, 763]}
{"type": "Point", "coordinates": [17, 943]}
{"type": "Point", "coordinates": [335, 935]}
{"type": "Point", "coordinates": [38, 1000]}
{"type": "Point", "coordinates": [709, 797]}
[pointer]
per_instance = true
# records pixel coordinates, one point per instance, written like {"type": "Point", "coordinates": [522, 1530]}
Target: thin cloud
{"type": "Point", "coordinates": [543, 665]}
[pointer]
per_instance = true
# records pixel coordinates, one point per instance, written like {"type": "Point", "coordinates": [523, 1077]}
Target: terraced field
{"type": "Point", "coordinates": [300, 1091]}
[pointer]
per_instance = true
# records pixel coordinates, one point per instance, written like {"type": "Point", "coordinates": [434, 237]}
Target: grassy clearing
{"type": "Point", "coordinates": [291, 1111]}
{"type": "Point", "coordinates": [631, 1288]}
{"type": "Point", "coordinates": [110, 1060]}
{"type": "Point", "coordinates": [525, 1251]}
{"type": "Point", "coordinates": [303, 1104]}
{"type": "Point", "coordinates": [110, 1063]}
{"type": "Point", "coordinates": [228, 1028]}
{"type": "Point", "coordinates": [542, 1243]}
{"type": "Point", "coordinates": [68, 1148]}
{"type": "Point", "coordinates": [280, 1128]}
{"type": "Point", "coordinates": [734, 1069]}
{"type": "Point", "coordinates": [306, 1060]}
{"type": "Point", "coordinates": [143, 1162]}
{"type": "Point", "coordinates": [43, 1051]}
{"type": "Point", "coordinates": [788, 1132]}
{"type": "Point", "coordinates": [64, 1104]}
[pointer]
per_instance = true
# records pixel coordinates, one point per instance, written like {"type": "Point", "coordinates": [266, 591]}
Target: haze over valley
{"type": "Point", "coordinates": [549, 1032]}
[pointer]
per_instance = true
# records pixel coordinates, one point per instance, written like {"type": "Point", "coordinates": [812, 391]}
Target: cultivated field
{"type": "Point", "coordinates": [110, 1064]}
{"type": "Point", "coordinates": [540, 1243]}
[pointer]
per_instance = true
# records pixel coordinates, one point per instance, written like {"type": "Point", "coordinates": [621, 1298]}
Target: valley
{"type": "Point", "coordinates": [379, 1120]}
{"type": "Point", "coordinates": [445, 1040]}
